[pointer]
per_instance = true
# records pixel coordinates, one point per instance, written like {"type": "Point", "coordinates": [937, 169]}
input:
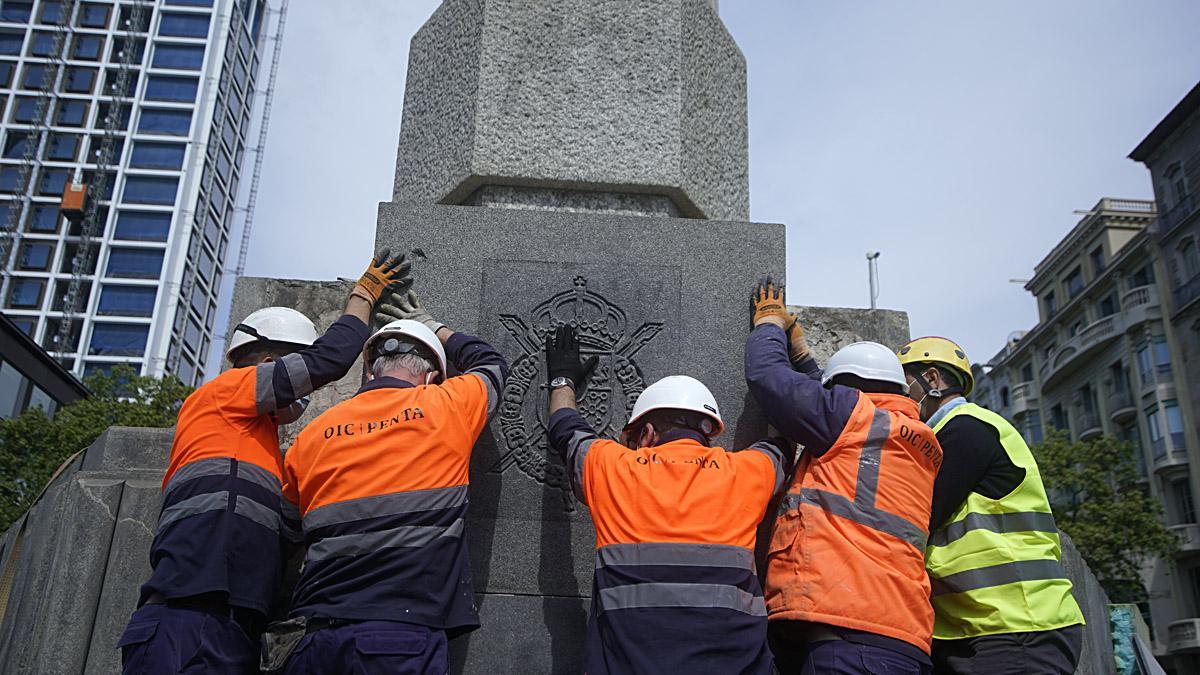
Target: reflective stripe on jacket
{"type": "Point", "coordinates": [994, 564]}
{"type": "Point", "coordinates": [223, 523]}
{"type": "Point", "coordinates": [675, 588]}
{"type": "Point", "coordinates": [847, 546]}
{"type": "Point", "coordinates": [381, 484]}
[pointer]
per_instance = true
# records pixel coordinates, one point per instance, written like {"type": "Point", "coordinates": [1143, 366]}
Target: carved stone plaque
{"type": "Point", "coordinates": [628, 326]}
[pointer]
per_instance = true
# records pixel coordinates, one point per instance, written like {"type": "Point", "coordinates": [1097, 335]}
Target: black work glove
{"type": "Point", "coordinates": [563, 358]}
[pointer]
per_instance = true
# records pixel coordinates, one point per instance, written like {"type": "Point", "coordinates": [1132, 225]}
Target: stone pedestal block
{"type": "Point", "coordinates": [77, 558]}
{"type": "Point", "coordinates": [621, 96]}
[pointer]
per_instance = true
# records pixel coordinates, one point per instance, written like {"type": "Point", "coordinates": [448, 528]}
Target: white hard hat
{"type": "Point", "coordinates": [415, 331]}
{"type": "Point", "coordinates": [868, 360]}
{"type": "Point", "coordinates": [678, 392]}
{"type": "Point", "coordinates": [274, 324]}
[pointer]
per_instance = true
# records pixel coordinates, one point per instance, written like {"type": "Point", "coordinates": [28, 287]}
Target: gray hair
{"type": "Point", "coordinates": [416, 364]}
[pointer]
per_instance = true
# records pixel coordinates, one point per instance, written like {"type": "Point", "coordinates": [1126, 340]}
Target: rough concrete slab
{"type": "Point", "coordinates": [1097, 655]}
{"type": "Point", "coordinates": [80, 554]}
{"type": "Point", "coordinates": [629, 96]}
{"type": "Point", "coordinates": [129, 448]}
{"type": "Point", "coordinates": [127, 567]}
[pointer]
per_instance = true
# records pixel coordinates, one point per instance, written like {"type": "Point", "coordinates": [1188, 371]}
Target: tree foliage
{"type": "Point", "coordinates": [1097, 499]}
{"type": "Point", "coordinates": [33, 446]}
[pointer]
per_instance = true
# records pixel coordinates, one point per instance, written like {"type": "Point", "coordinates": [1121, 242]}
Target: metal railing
{"type": "Point", "coordinates": [1169, 220]}
{"type": "Point", "coordinates": [1185, 294]}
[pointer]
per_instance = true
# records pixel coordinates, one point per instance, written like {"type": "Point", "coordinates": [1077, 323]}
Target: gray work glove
{"type": "Point", "coordinates": [394, 306]}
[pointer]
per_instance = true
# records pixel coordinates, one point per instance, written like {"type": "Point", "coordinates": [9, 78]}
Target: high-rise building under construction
{"type": "Point", "coordinates": [125, 130]}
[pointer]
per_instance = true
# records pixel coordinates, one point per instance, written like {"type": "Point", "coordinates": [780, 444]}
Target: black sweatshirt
{"type": "Point", "coordinates": [973, 460]}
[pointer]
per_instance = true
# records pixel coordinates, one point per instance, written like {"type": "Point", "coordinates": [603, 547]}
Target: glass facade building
{"type": "Point", "coordinates": [162, 233]}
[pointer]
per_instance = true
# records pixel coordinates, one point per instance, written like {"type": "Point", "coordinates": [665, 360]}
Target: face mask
{"type": "Point", "coordinates": [292, 412]}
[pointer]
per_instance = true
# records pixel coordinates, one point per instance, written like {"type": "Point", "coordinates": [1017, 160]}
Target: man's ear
{"type": "Point", "coordinates": [648, 436]}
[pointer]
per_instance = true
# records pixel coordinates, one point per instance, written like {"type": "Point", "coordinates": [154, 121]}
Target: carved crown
{"type": "Point", "coordinates": [598, 322]}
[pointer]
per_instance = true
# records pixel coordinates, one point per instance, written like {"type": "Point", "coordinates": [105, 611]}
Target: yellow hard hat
{"type": "Point", "coordinates": [940, 351]}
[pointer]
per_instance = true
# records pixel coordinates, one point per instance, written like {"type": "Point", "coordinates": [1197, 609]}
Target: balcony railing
{"type": "Point", "coordinates": [1183, 637]}
{"type": "Point", "coordinates": [1090, 426]}
{"type": "Point", "coordinates": [1093, 335]}
{"type": "Point", "coordinates": [1185, 294]}
{"type": "Point", "coordinates": [1179, 213]}
{"type": "Point", "coordinates": [1189, 538]}
{"type": "Point", "coordinates": [1121, 406]}
{"type": "Point", "coordinates": [1024, 398]}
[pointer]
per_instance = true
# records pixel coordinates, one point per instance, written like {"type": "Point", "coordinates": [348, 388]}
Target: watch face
{"type": "Point", "coordinates": [560, 382]}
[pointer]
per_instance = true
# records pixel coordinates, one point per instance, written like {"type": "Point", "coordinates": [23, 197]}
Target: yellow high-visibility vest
{"type": "Point", "coordinates": [994, 566]}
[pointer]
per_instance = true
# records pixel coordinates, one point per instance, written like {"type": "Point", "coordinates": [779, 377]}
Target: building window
{"type": "Point", "coordinates": [15, 144]}
{"type": "Point", "coordinates": [11, 41]}
{"type": "Point", "coordinates": [127, 300]}
{"type": "Point", "coordinates": [35, 256]}
{"type": "Point", "coordinates": [118, 339]}
{"type": "Point", "coordinates": [1157, 442]}
{"type": "Point", "coordinates": [1189, 259]}
{"type": "Point", "coordinates": [87, 48]}
{"type": "Point", "coordinates": [150, 190]}
{"type": "Point", "coordinates": [43, 219]}
{"type": "Point", "coordinates": [184, 25]}
{"type": "Point", "coordinates": [10, 176]}
{"type": "Point", "coordinates": [42, 44]}
{"type": "Point", "coordinates": [25, 110]}
{"type": "Point", "coordinates": [16, 12]}
{"type": "Point", "coordinates": [62, 147]}
{"type": "Point", "coordinates": [135, 263]}
{"type": "Point", "coordinates": [25, 324]}
{"type": "Point", "coordinates": [147, 155]}
{"type": "Point", "coordinates": [1109, 305]}
{"type": "Point", "coordinates": [1162, 356]}
{"type": "Point", "coordinates": [93, 16]}
{"type": "Point", "coordinates": [170, 122]}
{"type": "Point", "coordinates": [1027, 372]}
{"type": "Point", "coordinates": [6, 73]}
{"type": "Point", "coordinates": [53, 182]}
{"type": "Point", "coordinates": [1074, 283]}
{"type": "Point", "coordinates": [25, 293]}
{"type": "Point", "coordinates": [1058, 417]}
{"type": "Point", "coordinates": [178, 57]}
{"type": "Point", "coordinates": [167, 88]}
{"type": "Point", "coordinates": [1145, 367]}
{"type": "Point", "coordinates": [143, 226]}
{"type": "Point", "coordinates": [51, 13]}
{"type": "Point", "coordinates": [1185, 510]}
{"type": "Point", "coordinates": [1174, 424]}
{"type": "Point", "coordinates": [34, 76]}
{"type": "Point", "coordinates": [190, 3]}
{"type": "Point", "coordinates": [79, 80]}
{"type": "Point", "coordinates": [1177, 183]}
{"type": "Point", "coordinates": [1096, 258]}
{"type": "Point", "coordinates": [71, 113]}
{"type": "Point", "coordinates": [1050, 303]}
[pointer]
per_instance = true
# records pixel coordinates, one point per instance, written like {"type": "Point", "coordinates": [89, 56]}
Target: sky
{"type": "Point", "coordinates": [956, 138]}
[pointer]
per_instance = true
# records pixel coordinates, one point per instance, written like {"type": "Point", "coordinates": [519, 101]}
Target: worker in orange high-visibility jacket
{"type": "Point", "coordinates": [845, 584]}
{"type": "Point", "coordinates": [380, 481]}
{"type": "Point", "coordinates": [675, 588]}
{"type": "Point", "coordinates": [218, 554]}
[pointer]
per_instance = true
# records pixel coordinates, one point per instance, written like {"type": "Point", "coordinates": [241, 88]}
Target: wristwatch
{"type": "Point", "coordinates": [562, 382]}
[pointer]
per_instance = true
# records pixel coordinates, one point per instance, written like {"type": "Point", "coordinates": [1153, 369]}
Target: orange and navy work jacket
{"type": "Point", "coordinates": [847, 549]}
{"type": "Point", "coordinates": [675, 588]}
{"type": "Point", "coordinates": [223, 524]}
{"type": "Point", "coordinates": [380, 481]}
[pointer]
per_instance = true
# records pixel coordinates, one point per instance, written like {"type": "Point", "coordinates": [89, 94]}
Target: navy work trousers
{"type": "Point", "coordinates": [842, 657]}
{"type": "Point", "coordinates": [161, 640]}
{"type": "Point", "coordinates": [1052, 652]}
{"type": "Point", "coordinates": [370, 647]}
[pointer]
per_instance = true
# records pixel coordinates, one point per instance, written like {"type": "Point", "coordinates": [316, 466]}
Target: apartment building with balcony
{"type": "Point", "coordinates": [1171, 151]}
{"type": "Point", "coordinates": [1105, 358]}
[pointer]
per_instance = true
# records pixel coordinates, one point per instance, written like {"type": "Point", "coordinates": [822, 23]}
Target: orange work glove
{"type": "Point", "coordinates": [383, 273]}
{"type": "Point", "coordinates": [768, 302]}
{"type": "Point", "coordinates": [797, 346]}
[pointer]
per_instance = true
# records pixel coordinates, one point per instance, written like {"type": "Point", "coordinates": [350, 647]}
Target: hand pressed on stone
{"type": "Point", "coordinates": [563, 358]}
